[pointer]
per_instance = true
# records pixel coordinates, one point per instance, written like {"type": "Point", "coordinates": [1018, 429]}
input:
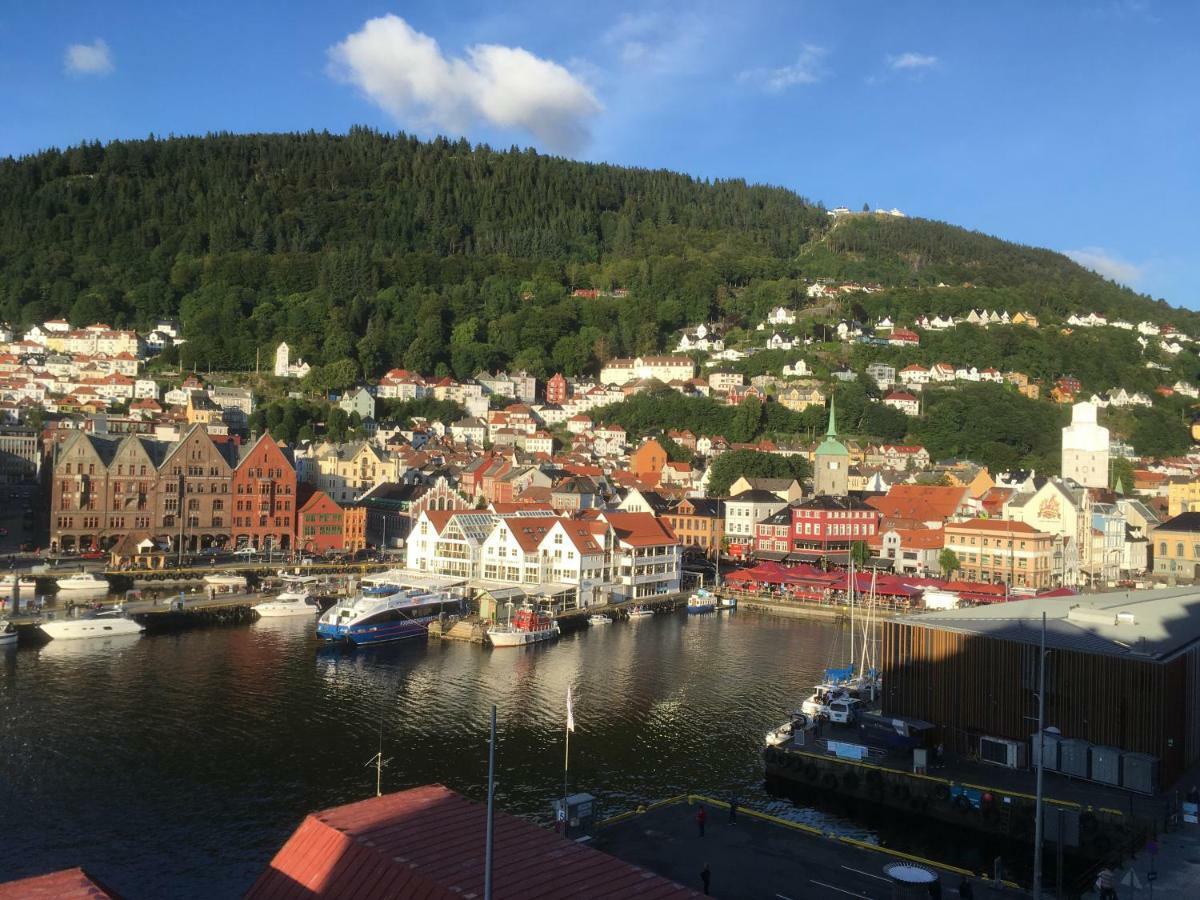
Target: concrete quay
{"type": "Point", "coordinates": [763, 856]}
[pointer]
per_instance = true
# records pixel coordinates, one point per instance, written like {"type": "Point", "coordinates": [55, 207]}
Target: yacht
{"type": "Point", "coordinates": [295, 599]}
{"type": "Point", "coordinates": [525, 626]}
{"type": "Point", "coordinates": [384, 612]}
{"type": "Point", "coordinates": [83, 583]}
{"type": "Point", "coordinates": [598, 619]}
{"type": "Point", "coordinates": [701, 602]}
{"type": "Point", "coordinates": [109, 622]}
{"type": "Point", "coordinates": [640, 612]}
{"type": "Point", "coordinates": [8, 633]}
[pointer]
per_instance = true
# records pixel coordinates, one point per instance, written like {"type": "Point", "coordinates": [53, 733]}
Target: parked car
{"type": "Point", "coordinates": [245, 551]}
{"type": "Point", "coordinates": [92, 554]}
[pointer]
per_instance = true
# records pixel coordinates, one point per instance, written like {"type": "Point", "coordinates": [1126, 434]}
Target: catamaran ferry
{"type": "Point", "coordinates": [384, 612]}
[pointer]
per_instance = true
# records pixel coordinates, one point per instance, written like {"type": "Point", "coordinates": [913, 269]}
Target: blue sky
{"type": "Point", "coordinates": [1071, 124]}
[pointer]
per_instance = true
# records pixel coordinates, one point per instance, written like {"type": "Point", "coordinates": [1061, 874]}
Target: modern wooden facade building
{"type": "Point", "coordinates": [1122, 671]}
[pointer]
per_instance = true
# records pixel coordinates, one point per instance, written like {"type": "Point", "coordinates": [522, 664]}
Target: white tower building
{"type": "Point", "coordinates": [281, 361]}
{"type": "Point", "coordinates": [1085, 448]}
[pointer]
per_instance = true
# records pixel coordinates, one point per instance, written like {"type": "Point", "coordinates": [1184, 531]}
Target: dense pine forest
{"type": "Point", "coordinates": [369, 250]}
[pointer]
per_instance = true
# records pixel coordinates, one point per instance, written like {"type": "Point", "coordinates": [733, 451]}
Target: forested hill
{"type": "Point", "coordinates": [385, 250]}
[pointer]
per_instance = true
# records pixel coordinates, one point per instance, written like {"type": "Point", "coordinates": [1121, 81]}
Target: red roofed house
{"type": "Point", "coordinates": [556, 389]}
{"type": "Point", "coordinates": [648, 554]}
{"type": "Point", "coordinates": [921, 505]}
{"type": "Point", "coordinates": [428, 842]}
{"type": "Point", "coordinates": [902, 337]}
{"type": "Point", "coordinates": [903, 401]}
{"type": "Point", "coordinates": [647, 461]}
{"type": "Point", "coordinates": [69, 884]}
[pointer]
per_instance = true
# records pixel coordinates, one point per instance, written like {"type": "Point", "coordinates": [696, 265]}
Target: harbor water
{"type": "Point", "coordinates": [177, 764]}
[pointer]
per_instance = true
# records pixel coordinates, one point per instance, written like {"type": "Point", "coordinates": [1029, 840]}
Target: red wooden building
{"type": "Point", "coordinates": [264, 497]}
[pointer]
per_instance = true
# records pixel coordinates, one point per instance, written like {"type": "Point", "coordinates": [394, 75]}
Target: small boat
{"type": "Point", "coordinates": [598, 619]}
{"type": "Point", "coordinates": [8, 633]}
{"type": "Point", "coordinates": [102, 623]}
{"type": "Point", "coordinates": [83, 582]}
{"type": "Point", "coordinates": [726, 603]}
{"type": "Point", "coordinates": [294, 600]}
{"type": "Point", "coordinates": [383, 613]}
{"type": "Point", "coordinates": [701, 602]}
{"type": "Point", "coordinates": [782, 736]}
{"type": "Point", "coordinates": [640, 612]}
{"type": "Point", "coordinates": [525, 626]}
{"type": "Point", "coordinates": [226, 583]}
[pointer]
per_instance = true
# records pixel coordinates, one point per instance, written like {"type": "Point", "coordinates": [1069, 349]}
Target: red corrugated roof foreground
{"type": "Point", "coordinates": [69, 884]}
{"type": "Point", "coordinates": [428, 842]}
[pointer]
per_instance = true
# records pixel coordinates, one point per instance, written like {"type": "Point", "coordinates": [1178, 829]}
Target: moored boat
{"type": "Point", "coordinates": [598, 619]}
{"type": "Point", "coordinates": [226, 583]}
{"type": "Point", "coordinates": [701, 602]}
{"type": "Point", "coordinates": [525, 626]}
{"type": "Point", "coordinates": [102, 623]}
{"type": "Point", "coordinates": [640, 612]}
{"type": "Point", "coordinates": [294, 600]}
{"type": "Point", "coordinates": [83, 583]}
{"type": "Point", "coordinates": [384, 613]}
{"type": "Point", "coordinates": [27, 584]}
{"type": "Point", "coordinates": [8, 633]}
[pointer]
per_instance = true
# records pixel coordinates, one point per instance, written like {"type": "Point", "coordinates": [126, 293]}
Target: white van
{"type": "Point", "coordinates": [844, 711]}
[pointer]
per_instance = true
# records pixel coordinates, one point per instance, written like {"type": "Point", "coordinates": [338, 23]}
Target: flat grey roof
{"type": "Point", "coordinates": [1154, 625]}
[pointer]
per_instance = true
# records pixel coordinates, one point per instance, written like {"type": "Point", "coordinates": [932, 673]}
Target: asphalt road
{"type": "Point", "coordinates": [758, 859]}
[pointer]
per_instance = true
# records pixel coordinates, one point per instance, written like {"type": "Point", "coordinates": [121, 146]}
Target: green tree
{"type": "Point", "coordinates": [734, 464]}
{"type": "Point", "coordinates": [1121, 473]}
{"type": "Point", "coordinates": [948, 562]}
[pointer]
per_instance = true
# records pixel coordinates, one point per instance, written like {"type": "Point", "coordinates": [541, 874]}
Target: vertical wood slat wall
{"type": "Point", "coordinates": [973, 685]}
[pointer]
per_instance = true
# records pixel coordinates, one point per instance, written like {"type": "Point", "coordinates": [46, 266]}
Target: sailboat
{"type": "Point", "coordinates": [843, 684]}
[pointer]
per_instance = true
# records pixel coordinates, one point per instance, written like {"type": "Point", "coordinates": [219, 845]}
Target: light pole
{"type": "Point", "coordinates": [1037, 825]}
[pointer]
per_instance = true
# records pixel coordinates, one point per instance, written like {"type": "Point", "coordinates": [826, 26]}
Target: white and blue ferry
{"type": "Point", "coordinates": [383, 613]}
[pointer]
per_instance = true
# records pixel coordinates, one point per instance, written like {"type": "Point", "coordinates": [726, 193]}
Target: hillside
{"type": "Point", "coordinates": [386, 250]}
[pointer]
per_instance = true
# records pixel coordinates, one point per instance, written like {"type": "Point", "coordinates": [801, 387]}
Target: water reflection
{"type": "Point", "coordinates": [176, 764]}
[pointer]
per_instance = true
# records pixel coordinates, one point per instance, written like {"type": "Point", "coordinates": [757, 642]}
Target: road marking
{"type": "Point", "coordinates": [868, 874]}
{"type": "Point", "coordinates": [838, 889]}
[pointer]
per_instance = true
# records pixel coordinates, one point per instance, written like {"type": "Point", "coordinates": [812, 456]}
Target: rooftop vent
{"type": "Point", "coordinates": [1089, 615]}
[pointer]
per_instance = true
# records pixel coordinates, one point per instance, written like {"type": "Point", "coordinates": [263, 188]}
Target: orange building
{"type": "Point", "coordinates": [264, 497]}
{"type": "Point", "coordinates": [647, 461]}
{"type": "Point", "coordinates": [322, 526]}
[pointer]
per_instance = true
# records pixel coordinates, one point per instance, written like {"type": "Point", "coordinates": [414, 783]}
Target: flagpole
{"type": "Point", "coordinates": [566, 759]}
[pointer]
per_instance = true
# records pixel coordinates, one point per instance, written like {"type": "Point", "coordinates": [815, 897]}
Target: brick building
{"type": "Point", "coordinates": [264, 497]}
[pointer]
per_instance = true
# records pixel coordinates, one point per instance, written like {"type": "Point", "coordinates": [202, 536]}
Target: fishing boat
{"type": "Point", "coordinates": [296, 599]}
{"type": "Point", "coordinates": [701, 602]}
{"type": "Point", "coordinates": [640, 612]}
{"type": "Point", "coordinates": [109, 622]}
{"type": "Point", "coordinates": [83, 583]}
{"type": "Point", "coordinates": [382, 613]}
{"type": "Point", "coordinates": [8, 633]}
{"type": "Point", "coordinates": [525, 626]}
{"type": "Point", "coordinates": [226, 583]}
{"type": "Point", "coordinates": [599, 620]}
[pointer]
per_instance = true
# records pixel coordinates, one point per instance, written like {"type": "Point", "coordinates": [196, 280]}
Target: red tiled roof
{"type": "Point", "coordinates": [640, 529]}
{"type": "Point", "coordinates": [428, 842]}
{"type": "Point", "coordinates": [1003, 526]}
{"type": "Point", "coordinates": [920, 502]}
{"type": "Point", "coordinates": [69, 884]}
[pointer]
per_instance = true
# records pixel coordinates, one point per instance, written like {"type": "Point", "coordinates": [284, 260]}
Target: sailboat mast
{"type": "Point", "coordinates": [850, 600]}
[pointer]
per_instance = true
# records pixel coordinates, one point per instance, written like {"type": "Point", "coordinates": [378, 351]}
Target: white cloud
{"type": "Point", "coordinates": [807, 69]}
{"type": "Point", "coordinates": [406, 74]}
{"type": "Point", "coordinates": [1104, 263]}
{"type": "Point", "coordinates": [658, 42]}
{"type": "Point", "coordinates": [88, 59]}
{"type": "Point", "coordinates": [912, 61]}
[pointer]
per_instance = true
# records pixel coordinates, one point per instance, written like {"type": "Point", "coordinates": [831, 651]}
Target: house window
{"type": "Point", "coordinates": [1179, 550]}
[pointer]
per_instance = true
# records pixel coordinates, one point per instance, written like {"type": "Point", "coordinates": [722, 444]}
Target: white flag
{"type": "Point", "coordinates": [570, 711]}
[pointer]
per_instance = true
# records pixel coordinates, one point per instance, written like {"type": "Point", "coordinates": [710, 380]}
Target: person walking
{"type": "Point", "coordinates": [705, 878]}
{"type": "Point", "coordinates": [701, 818]}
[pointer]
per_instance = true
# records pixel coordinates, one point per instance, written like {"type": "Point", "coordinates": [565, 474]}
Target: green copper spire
{"type": "Point", "coordinates": [831, 431]}
{"type": "Point", "coordinates": [1120, 487]}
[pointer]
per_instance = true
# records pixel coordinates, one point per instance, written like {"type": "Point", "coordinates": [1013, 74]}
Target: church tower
{"type": "Point", "coordinates": [831, 466]}
{"type": "Point", "coordinates": [281, 361]}
{"type": "Point", "coordinates": [1085, 448]}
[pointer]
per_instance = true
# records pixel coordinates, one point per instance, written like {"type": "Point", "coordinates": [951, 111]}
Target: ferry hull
{"type": "Point", "coordinates": [385, 632]}
{"type": "Point", "coordinates": [704, 608]}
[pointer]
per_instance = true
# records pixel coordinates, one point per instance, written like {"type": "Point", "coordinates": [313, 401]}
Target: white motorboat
{"type": "Point", "coordinates": [102, 623]}
{"type": "Point", "coordinates": [640, 612]}
{"type": "Point", "coordinates": [83, 583]}
{"type": "Point", "coordinates": [8, 633]}
{"type": "Point", "coordinates": [525, 626]}
{"type": "Point", "coordinates": [294, 600]}
{"type": "Point", "coordinates": [782, 736]}
{"type": "Point", "coordinates": [599, 620]}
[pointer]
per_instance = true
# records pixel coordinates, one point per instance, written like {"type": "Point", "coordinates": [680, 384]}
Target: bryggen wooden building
{"type": "Point", "coordinates": [1122, 672]}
